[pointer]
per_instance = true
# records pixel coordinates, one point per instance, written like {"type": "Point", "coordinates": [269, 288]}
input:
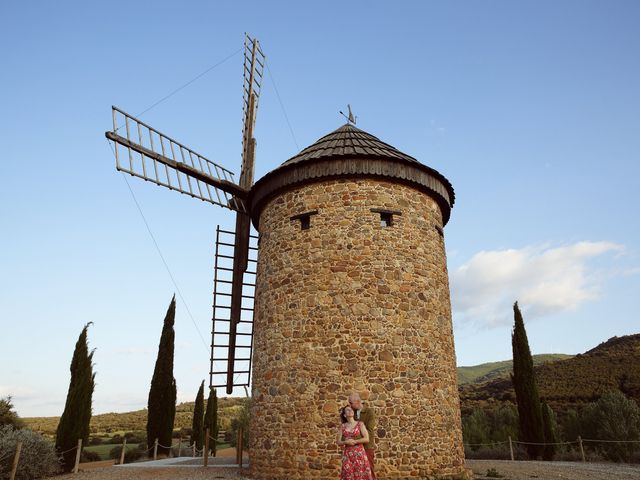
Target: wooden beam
{"type": "Point", "coordinates": [224, 185]}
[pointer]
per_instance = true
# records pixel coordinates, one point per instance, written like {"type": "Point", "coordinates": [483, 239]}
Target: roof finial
{"type": "Point", "coordinates": [351, 118]}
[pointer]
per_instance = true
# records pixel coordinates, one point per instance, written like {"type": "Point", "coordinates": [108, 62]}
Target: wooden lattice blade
{"type": "Point", "coordinates": [253, 71]}
{"type": "Point", "coordinates": [232, 333]}
{"type": "Point", "coordinates": [155, 157]}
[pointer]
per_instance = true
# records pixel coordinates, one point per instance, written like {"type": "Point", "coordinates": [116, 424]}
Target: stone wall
{"type": "Point", "coordinates": [351, 305]}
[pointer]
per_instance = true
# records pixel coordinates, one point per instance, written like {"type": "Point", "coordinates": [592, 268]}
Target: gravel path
{"type": "Point", "coordinates": [555, 470]}
{"type": "Point", "coordinates": [165, 473]}
{"type": "Point", "coordinates": [509, 470]}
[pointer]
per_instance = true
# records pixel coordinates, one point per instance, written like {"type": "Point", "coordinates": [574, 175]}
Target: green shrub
{"type": "Point", "coordinates": [89, 456]}
{"type": "Point", "coordinates": [613, 417]}
{"type": "Point", "coordinates": [135, 437]}
{"type": "Point", "coordinates": [7, 415]}
{"type": "Point", "coordinates": [493, 473]}
{"type": "Point", "coordinates": [241, 420]}
{"type": "Point", "coordinates": [38, 457]}
{"type": "Point", "coordinates": [475, 429]}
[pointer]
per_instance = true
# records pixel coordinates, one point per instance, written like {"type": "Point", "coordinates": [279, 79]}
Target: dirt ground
{"type": "Point", "coordinates": [508, 471]}
{"type": "Point", "coordinates": [554, 470]}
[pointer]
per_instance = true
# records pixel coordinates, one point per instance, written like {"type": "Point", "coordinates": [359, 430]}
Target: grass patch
{"type": "Point", "coordinates": [103, 450]}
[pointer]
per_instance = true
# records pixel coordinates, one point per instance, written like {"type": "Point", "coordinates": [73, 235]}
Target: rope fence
{"type": "Point", "coordinates": [78, 449]}
{"type": "Point", "coordinates": [579, 442]}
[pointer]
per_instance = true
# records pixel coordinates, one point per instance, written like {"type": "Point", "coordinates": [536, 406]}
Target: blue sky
{"type": "Point", "coordinates": [531, 109]}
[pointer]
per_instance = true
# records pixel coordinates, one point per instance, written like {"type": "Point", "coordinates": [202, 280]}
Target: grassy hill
{"type": "Point", "coordinates": [136, 421]}
{"type": "Point", "coordinates": [569, 383]}
{"type": "Point", "coordinates": [490, 371]}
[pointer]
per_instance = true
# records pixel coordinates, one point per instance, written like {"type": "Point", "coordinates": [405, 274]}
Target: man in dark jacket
{"type": "Point", "coordinates": [367, 416]}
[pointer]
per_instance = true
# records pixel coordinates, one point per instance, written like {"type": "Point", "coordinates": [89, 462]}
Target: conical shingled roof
{"type": "Point", "coordinates": [351, 152]}
{"type": "Point", "coordinates": [351, 141]}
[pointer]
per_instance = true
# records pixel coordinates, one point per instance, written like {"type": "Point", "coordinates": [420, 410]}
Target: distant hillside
{"type": "Point", "coordinates": [489, 371]}
{"type": "Point", "coordinates": [564, 381]}
{"type": "Point", "coordinates": [136, 421]}
{"type": "Point", "coordinates": [569, 383]}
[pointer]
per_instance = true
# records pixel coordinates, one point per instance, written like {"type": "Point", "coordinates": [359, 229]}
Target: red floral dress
{"type": "Point", "coordinates": [355, 464]}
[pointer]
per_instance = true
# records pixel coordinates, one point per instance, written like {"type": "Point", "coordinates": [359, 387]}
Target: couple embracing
{"type": "Point", "coordinates": [356, 436]}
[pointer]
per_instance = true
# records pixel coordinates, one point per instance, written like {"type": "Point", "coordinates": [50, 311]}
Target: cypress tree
{"type": "Point", "coordinates": [74, 422]}
{"type": "Point", "coordinates": [211, 419]}
{"type": "Point", "coordinates": [531, 427]}
{"type": "Point", "coordinates": [197, 435]}
{"type": "Point", "coordinates": [550, 433]}
{"type": "Point", "coordinates": [161, 410]}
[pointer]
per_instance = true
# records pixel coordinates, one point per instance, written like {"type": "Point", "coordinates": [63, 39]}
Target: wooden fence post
{"type": "Point", "coordinates": [124, 448]}
{"type": "Point", "coordinates": [581, 448]}
{"type": "Point", "coordinates": [239, 447]}
{"type": "Point", "coordinates": [155, 449]}
{"type": "Point", "coordinates": [78, 452]}
{"type": "Point", "coordinates": [511, 448]}
{"type": "Point", "coordinates": [180, 447]}
{"type": "Point", "coordinates": [16, 459]}
{"type": "Point", "coordinates": [206, 448]}
{"type": "Point", "coordinates": [194, 449]}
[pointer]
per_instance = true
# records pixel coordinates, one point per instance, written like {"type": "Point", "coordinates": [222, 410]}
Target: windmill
{"type": "Point", "coordinates": [156, 157]}
{"type": "Point", "coordinates": [351, 289]}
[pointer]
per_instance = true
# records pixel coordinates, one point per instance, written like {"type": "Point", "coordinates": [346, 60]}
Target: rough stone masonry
{"type": "Point", "coordinates": [359, 301]}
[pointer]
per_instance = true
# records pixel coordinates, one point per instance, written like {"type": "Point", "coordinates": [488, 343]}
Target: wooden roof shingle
{"type": "Point", "coordinates": [348, 140]}
{"type": "Point", "coordinates": [348, 152]}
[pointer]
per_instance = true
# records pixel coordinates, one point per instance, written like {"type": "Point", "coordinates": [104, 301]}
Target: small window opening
{"type": "Point", "coordinates": [386, 216]}
{"type": "Point", "coordinates": [305, 219]}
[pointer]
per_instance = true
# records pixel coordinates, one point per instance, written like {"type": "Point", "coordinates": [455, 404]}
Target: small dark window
{"type": "Point", "coordinates": [386, 216]}
{"type": "Point", "coordinates": [305, 219]}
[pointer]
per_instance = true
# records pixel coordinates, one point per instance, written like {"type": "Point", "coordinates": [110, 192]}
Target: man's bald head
{"type": "Point", "coordinates": [355, 401]}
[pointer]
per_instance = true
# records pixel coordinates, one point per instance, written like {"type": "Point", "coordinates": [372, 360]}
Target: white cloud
{"type": "Point", "coordinates": [16, 391]}
{"type": "Point", "coordinates": [543, 279]}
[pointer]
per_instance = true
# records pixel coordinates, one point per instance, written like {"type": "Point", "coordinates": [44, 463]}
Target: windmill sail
{"type": "Point", "coordinates": [220, 338]}
{"type": "Point", "coordinates": [155, 157]}
{"type": "Point", "coordinates": [254, 61]}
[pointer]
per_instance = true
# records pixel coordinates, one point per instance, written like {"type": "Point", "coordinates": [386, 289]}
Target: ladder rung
{"type": "Point", "coordinates": [233, 233]}
{"type": "Point", "coordinates": [242, 334]}
{"type": "Point", "coordinates": [224, 373]}
{"type": "Point", "coordinates": [228, 295]}
{"type": "Point", "coordinates": [220, 385]}
{"type": "Point", "coordinates": [231, 270]}
{"type": "Point", "coordinates": [226, 320]}
{"type": "Point", "coordinates": [231, 282]}
{"type": "Point", "coordinates": [237, 359]}
{"type": "Point", "coordinates": [243, 308]}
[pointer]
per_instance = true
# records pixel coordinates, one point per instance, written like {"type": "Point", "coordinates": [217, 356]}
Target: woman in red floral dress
{"type": "Point", "coordinates": [352, 435]}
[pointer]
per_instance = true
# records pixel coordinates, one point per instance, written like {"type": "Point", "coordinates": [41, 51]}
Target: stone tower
{"type": "Point", "coordinates": [352, 294]}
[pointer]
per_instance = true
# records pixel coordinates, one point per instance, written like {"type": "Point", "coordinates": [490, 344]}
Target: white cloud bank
{"type": "Point", "coordinates": [543, 279]}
